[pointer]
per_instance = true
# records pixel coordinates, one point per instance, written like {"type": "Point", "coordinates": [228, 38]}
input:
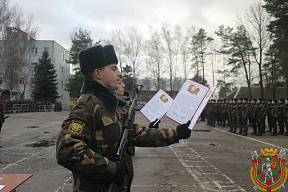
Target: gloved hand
{"type": "Point", "coordinates": [153, 122]}
{"type": "Point", "coordinates": [182, 130]}
{"type": "Point", "coordinates": [120, 174]}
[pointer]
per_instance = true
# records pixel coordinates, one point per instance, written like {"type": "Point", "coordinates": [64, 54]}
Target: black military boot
{"type": "Point", "coordinates": [240, 133]}
{"type": "Point", "coordinates": [230, 130]}
{"type": "Point", "coordinates": [244, 133]}
{"type": "Point", "coordinates": [285, 133]}
{"type": "Point", "coordinates": [273, 134]}
{"type": "Point", "coordinates": [259, 133]}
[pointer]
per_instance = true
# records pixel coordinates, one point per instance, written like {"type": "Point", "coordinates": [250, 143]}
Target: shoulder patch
{"type": "Point", "coordinates": [76, 126]}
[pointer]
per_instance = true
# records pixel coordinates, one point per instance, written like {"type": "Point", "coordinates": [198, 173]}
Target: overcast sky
{"type": "Point", "coordinates": [57, 19]}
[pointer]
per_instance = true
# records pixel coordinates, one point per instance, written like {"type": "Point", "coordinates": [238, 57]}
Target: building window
{"type": "Point", "coordinates": [63, 56]}
{"type": "Point", "coordinates": [62, 84]}
{"type": "Point", "coordinates": [21, 81]}
{"type": "Point", "coordinates": [62, 70]}
{"type": "Point", "coordinates": [34, 50]}
{"type": "Point", "coordinates": [1, 81]}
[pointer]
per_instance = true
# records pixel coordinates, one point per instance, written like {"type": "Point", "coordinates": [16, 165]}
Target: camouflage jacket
{"type": "Point", "coordinates": [281, 110]}
{"type": "Point", "coordinates": [274, 112]}
{"type": "Point", "coordinates": [254, 110]}
{"type": "Point", "coordinates": [88, 140]}
{"type": "Point", "coordinates": [224, 108]}
{"type": "Point", "coordinates": [245, 111]}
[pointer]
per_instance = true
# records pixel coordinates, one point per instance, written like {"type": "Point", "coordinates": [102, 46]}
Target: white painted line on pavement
{"type": "Point", "coordinates": [207, 185]}
{"type": "Point", "coordinates": [23, 159]}
{"type": "Point", "coordinates": [245, 137]}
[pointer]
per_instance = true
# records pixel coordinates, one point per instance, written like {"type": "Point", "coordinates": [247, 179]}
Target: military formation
{"type": "Point", "coordinates": [240, 114]}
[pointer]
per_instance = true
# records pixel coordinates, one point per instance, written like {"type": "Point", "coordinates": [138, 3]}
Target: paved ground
{"type": "Point", "coordinates": [211, 160]}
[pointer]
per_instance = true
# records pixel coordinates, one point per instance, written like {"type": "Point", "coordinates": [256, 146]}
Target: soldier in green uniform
{"type": "Point", "coordinates": [88, 139]}
{"type": "Point", "coordinates": [249, 113]}
{"type": "Point", "coordinates": [218, 111]}
{"type": "Point", "coordinates": [229, 114]}
{"type": "Point", "coordinates": [274, 117]}
{"type": "Point", "coordinates": [269, 108]}
{"type": "Point", "coordinates": [234, 115]}
{"type": "Point", "coordinates": [245, 113]}
{"type": "Point", "coordinates": [224, 108]}
{"type": "Point", "coordinates": [238, 116]}
{"type": "Point", "coordinates": [259, 117]}
{"type": "Point", "coordinates": [263, 114]}
{"type": "Point", "coordinates": [281, 110]}
{"type": "Point", "coordinates": [213, 112]}
{"type": "Point", "coordinates": [254, 116]}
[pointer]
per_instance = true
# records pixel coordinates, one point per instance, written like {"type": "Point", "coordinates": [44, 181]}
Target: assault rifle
{"type": "Point", "coordinates": [126, 127]}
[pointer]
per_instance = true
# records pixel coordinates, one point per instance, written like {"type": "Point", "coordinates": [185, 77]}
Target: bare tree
{"type": "Point", "coordinates": [171, 49]}
{"type": "Point", "coordinates": [185, 52]}
{"type": "Point", "coordinates": [258, 19]}
{"type": "Point", "coordinates": [154, 56]}
{"type": "Point", "coordinates": [18, 37]}
{"type": "Point", "coordinates": [117, 40]}
{"type": "Point", "coordinates": [132, 47]}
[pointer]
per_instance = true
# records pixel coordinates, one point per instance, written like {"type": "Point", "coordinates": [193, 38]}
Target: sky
{"type": "Point", "coordinates": [57, 19]}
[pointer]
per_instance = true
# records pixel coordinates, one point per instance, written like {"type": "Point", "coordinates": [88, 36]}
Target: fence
{"type": "Point", "coordinates": [20, 108]}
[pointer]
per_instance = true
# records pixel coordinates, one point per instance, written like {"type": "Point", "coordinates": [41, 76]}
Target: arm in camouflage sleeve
{"type": "Point", "coordinates": [154, 137]}
{"type": "Point", "coordinates": [72, 149]}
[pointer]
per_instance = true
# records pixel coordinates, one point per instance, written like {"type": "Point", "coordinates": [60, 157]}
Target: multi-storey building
{"type": "Point", "coordinates": [58, 54]}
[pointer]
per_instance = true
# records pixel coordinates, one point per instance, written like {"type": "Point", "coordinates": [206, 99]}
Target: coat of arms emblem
{"type": "Point", "coordinates": [268, 172]}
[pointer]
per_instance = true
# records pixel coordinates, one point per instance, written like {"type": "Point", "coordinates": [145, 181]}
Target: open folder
{"type": "Point", "coordinates": [187, 105]}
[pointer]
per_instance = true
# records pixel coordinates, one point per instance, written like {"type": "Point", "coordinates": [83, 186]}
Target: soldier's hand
{"type": "Point", "coordinates": [120, 174]}
{"type": "Point", "coordinates": [156, 125]}
{"type": "Point", "coordinates": [182, 130]}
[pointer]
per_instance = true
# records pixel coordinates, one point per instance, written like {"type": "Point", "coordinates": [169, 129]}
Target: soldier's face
{"type": "Point", "coordinates": [109, 76]}
{"type": "Point", "coordinates": [121, 89]}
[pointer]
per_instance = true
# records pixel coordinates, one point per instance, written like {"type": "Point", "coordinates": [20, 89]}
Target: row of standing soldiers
{"type": "Point", "coordinates": [240, 113]}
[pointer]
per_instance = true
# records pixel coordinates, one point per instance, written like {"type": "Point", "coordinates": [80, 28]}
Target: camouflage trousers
{"type": "Point", "coordinates": [273, 122]}
{"type": "Point", "coordinates": [254, 124]}
{"type": "Point", "coordinates": [281, 124]}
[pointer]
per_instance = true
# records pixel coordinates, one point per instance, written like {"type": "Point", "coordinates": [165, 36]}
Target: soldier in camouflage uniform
{"type": "Point", "coordinates": [259, 121]}
{"type": "Point", "coordinates": [213, 112]}
{"type": "Point", "coordinates": [218, 111]}
{"type": "Point", "coordinates": [208, 109]}
{"type": "Point", "coordinates": [269, 108]}
{"type": "Point", "coordinates": [274, 117]}
{"type": "Point", "coordinates": [263, 114]}
{"type": "Point", "coordinates": [224, 108]}
{"type": "Point", "coordinates": [253, 116]}
{"type": "Point", "coordinates": [234, 116]}
{"type": "Point", "coordinates": [238, 113]}
{"type": "Point", "coordinates": [245, 113]}
{"type": "Point", "coordinates": [88, 139]}
{"type": "Point", "coordinates": [281, 110]}
{"type": "Point", "coordinates": [229, 114]}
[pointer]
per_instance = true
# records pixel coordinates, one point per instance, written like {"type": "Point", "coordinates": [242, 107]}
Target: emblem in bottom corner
{"type": "Point", "coordinates": [268, 172]}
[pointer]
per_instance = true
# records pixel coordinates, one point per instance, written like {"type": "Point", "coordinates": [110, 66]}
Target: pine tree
{"type": "Point", "coordinates": [80, 39]}
{"type": "Point", "coordinates": [45, 88]}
